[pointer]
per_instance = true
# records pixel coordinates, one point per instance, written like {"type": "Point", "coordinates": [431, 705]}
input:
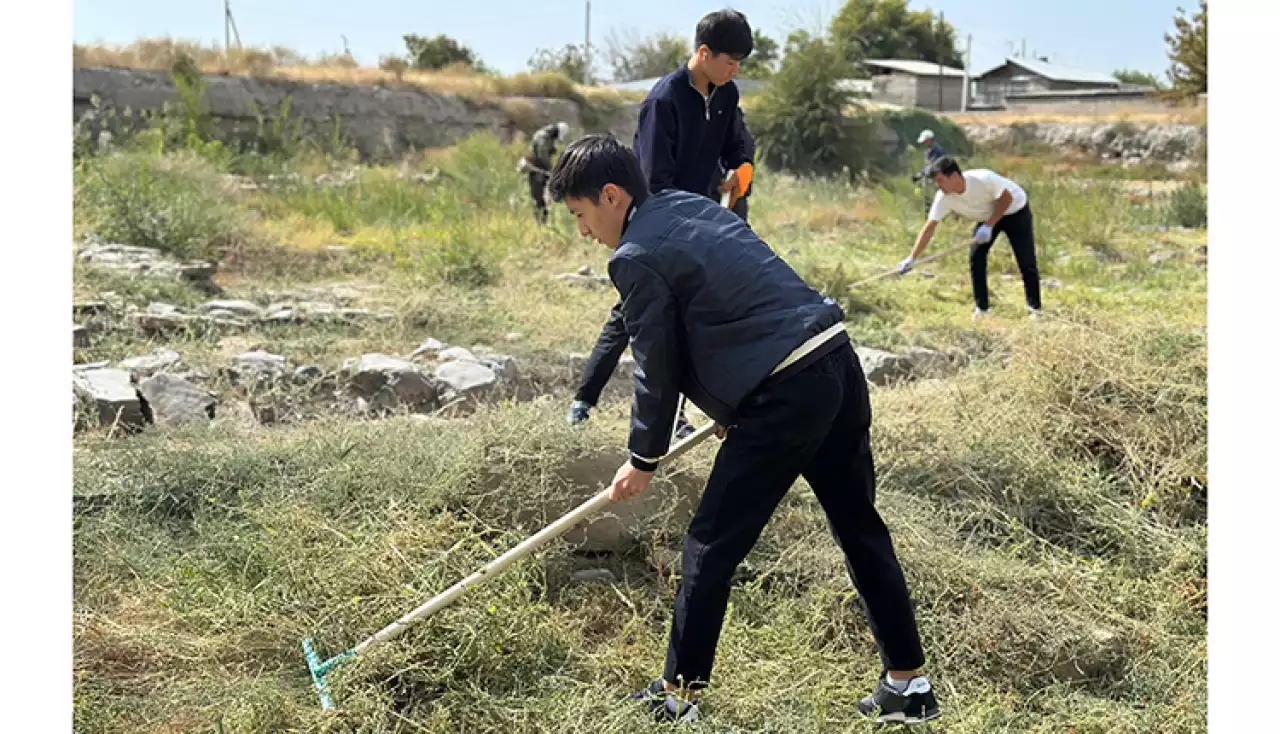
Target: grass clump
{"type": "Point", "coordinates": [173, 204]}
{"type": "Point", "coordinates": [1047, 498]}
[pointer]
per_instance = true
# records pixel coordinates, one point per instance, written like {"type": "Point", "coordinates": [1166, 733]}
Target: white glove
{"type": "Point", "coordinates": [983, 235]}
{"type": "Point", "coordinates": [904, 267]}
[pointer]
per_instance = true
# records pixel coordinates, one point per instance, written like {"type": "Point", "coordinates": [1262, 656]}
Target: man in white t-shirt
{"type": "Point", "coordinates": [998, 205]}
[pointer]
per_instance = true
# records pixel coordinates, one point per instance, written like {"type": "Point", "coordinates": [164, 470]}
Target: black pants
{"type": "Point", "coordinates": [815, 423]}
{"type": "Point", "coordinates": [537, 189]}
{"type": "Point", "coordinates": [1019, 229]}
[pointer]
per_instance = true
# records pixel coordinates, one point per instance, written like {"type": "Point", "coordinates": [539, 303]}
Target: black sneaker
{"type": "Point", "coordinates": [916, 705]}
{"type": "Point", "coordinates": [579, 412]}
{"type": "Point", "coordinates": [684, 429]}
{"type": "Point", "coordinates": [664, 706]}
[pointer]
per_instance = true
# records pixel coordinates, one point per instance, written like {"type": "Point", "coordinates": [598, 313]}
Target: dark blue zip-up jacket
{"type": "Point", "coordinates": [710, 310]}
{"type": "Point", "coordinates": [683, 139]}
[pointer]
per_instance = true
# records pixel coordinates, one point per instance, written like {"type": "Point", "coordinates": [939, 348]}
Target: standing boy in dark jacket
{"type": "Point", "coordinates": [714, 314]}
{"type": "Point", "coordinates": [690, 132]}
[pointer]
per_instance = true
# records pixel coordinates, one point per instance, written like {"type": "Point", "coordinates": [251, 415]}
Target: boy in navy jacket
{"type": "Point", "coordinates": [714, 314]}
{"type": "Point", "coordinates": [690, 134]}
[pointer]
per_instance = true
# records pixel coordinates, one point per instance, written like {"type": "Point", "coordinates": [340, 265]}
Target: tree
{"type": "Point", "coordinates": [1189, 52]}
{"type": "Point", "coordinates": [1133, 76]}
{"type": "Point", "coordinates": [439, 52]}
{"type": "Point", "coordinates": [570, 60]}
{"type": "Point", "coordinates": [763, 60]}
{"type": "Point", "coordinates": [655, 55]}
{"type": "Point", "coordinates": [887, 29]}
{"type": "Point", "coordinates": [801, 119]}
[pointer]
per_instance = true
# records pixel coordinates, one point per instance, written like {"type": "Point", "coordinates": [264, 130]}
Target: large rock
{"type": "Point", "coordinates": [881, 367]}
{"type": "Point", "coordinates": [388, 382]}
{"type": "Point", "coordinates": [146, 366]}
{"type": "Point", "coordinates": [260, 365]}
{"type": "Point", "coordinates": [112, 396]}
{"type": "Point", "coordinates": [147, 262]}
{"type": "Point", "coordinates": [233, 308]}
{"type": "Point", "coordinates": [457, 354]}
{"type": "Point", "coordinates": [173, 401]}
{"type": "Point", "coordinates": [503, 365]}
{"type": "Point", "coordinates": [463, 378]}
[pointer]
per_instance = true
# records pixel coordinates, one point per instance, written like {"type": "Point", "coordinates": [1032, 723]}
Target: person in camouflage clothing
{"type": "Point", "coordinates": [542, 151]}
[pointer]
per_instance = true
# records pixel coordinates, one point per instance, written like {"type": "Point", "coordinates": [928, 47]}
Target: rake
{"type": "Point", "coordinates": [321, 669]}
{"type": "Point", "coordinates": [917, 263]}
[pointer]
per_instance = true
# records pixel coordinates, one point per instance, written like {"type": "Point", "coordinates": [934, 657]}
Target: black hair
{"type": "Point", "coordinates": [945, 165]}
{"type": "Point", "coordinates": [592, 161]}
{"type": "Point", "coordinates": [725, 32]}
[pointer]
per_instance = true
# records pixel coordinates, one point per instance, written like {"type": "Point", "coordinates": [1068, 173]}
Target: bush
{"type": "Point", "coordinates": [1187, 207]}
{"type": "Point", "coordinates": [172, 204]}
{"type": "Point", "coordinates": [801, 122]}
{"type": "Point", "coordinates": [908, 124]}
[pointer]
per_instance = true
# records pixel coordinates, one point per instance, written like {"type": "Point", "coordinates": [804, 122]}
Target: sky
{"type": "Point", "coordinates": [1096, 35]}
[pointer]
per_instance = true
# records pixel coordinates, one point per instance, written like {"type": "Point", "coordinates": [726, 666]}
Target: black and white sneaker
{"type": "Point", "coordinates": [664, 706]}
{"type": "Point", "coordinates": [915, 705]}
{"type": "Point", "coordinates": [684, 429]}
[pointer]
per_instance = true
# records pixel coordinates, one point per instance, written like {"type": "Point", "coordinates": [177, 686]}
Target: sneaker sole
{"type": "Point", "coordinates": [908, 720]}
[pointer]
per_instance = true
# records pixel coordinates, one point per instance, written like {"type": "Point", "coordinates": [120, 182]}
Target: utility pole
{"type": "Point", "coordinates": [942, 20]}
{"type": "Point", "coordinates": [229, 25]}
{"type": "Point", "coordinates": [586, 69]}
{"type": "Point", "coordinates": [968, 59]}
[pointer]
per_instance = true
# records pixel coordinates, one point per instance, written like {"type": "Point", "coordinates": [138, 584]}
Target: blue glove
{"type": "Point", "coordinates": [983, 234]}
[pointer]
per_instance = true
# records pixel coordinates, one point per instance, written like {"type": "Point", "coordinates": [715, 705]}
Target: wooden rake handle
{"type": "Point", "coordinates": [525, 548]}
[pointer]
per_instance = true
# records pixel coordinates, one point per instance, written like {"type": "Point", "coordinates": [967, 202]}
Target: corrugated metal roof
{"type": "Point", "coordinates": [1081, 93]}
{"type": "Point", "coordinates": [908, 66]}
{"type": "Point", "coordinates": [1055, 72]}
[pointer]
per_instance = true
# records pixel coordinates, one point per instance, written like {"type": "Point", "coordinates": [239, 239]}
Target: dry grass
{"type": "Point", "coordinates": [1047, 501]}
{"type": "Point", "coordinates": [159, 54]}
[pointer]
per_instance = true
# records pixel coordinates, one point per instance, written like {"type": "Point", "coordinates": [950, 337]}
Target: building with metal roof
{"type": "Point", "coordinates": [1019, 76]}
{"type": "Point", "coordinates": [913, 83]}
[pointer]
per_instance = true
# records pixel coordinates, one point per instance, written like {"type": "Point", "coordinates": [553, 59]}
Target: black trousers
{"type": "Point", "coordinates": [815, 423]}
{"type": "Point", "coordinates": [537, 189]}
{"type": "Point", "coordinates": [1019, 229]}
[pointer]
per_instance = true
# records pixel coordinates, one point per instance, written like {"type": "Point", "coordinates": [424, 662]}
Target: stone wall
{"type": "Point", "coordinates": [1119, 141]}
{"type": "Point", "coordinates": [376, 120]}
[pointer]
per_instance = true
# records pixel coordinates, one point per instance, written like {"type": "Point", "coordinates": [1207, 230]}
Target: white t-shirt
{"type": "Point", "coordinates": [978, 202]}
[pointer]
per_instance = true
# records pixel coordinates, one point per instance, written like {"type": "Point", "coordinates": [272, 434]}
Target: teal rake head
{"type": "Point", "coordinates": [319, 670]}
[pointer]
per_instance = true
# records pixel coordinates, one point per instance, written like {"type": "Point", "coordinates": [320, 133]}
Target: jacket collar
{"type": "Point", "coordinates": [631, 212]}
{"type": "Point", "coordinates": [687, 78]}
